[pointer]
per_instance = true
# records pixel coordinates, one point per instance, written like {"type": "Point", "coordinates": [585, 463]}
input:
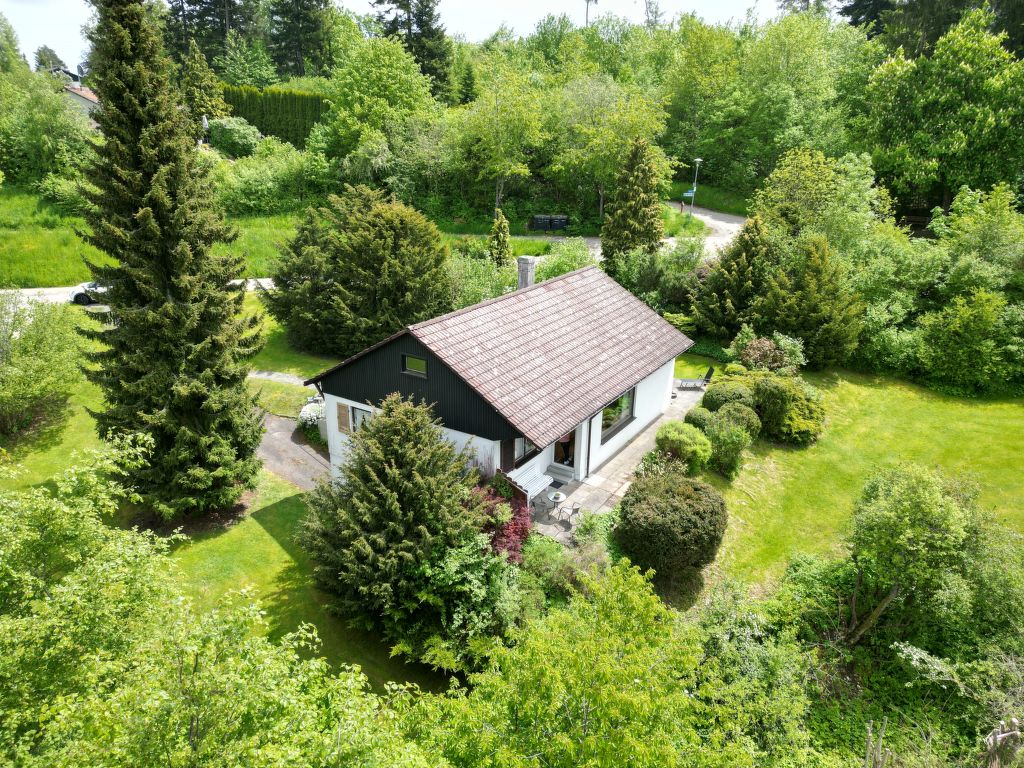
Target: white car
{"type": "Point", "coordinates": [87, 293]}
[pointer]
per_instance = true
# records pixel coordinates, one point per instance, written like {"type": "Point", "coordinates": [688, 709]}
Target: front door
{"type": "Point", "coordinates": [565, 450]}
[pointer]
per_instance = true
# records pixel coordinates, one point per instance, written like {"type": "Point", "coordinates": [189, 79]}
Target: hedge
{"type": "Point", "coordinates": [289, 115]}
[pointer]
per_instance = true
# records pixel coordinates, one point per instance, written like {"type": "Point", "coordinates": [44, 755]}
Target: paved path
{"type": "Point", "coordinates": [723, 226]}
{"type": "Point", "coordinates": [62, 295]}
{"type": "Point", "coordinates": [285, 453]}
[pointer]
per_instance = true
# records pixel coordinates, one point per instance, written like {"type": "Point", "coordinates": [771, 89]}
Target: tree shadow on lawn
{"type": "Point", "coordinates": [294, 599]}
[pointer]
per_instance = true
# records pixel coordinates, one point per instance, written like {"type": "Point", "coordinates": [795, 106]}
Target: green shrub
{"type": "Point", "coordinates": [790, 409]}
{"type": "Point", "coordinates": [548, 562]}
{"type": "Point", "coordinates": [724, 392]}
{"type": "Point", "coordinates": [708, 348]}
{"type": "Point", "coordinates": [567, 256]}
{"type": "Point", "coordinates": [654, 463]}
{"type": "Point", "coordinates": [277, 178]}
{"type": "Point", "coordinates": [684, 442]}
{"type": "Point", "coordinates": [735, 369]}
{"type": "Point", "coordinates": [728, 442]}
{"type": "Point", "coordinates": [699, 417]}
{"type": "Point", "coordinates": [234, 136]}
{"type": "Point", "coordinates": [742, 416]}
{"type": "Point", "coordinates": [285, 113]}
{"type": "Point", "coordinates": [670, 521]}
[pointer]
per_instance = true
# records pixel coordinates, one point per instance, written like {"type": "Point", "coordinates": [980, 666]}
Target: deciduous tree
{"type": "Point", "coordinates": [173, 365]}
{"type": "Point", "coordinates": [47, 59]}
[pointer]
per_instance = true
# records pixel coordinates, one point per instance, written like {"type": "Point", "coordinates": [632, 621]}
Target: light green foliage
{"type": "Point", "coordinates": [359, 269]}
{"type": "Point", "coordinates": [742, 416]}
{"type": "Point", "coordinates": [728, 442]}
{"type": "Point", "coordinates": [721, 392]}
{"type": "Point", "coordinates": [633, 220]}
{"type": "Point", "coordinates": [199, 87]}
{"type": "Point", "coordinates": [10, 57]}
{"type": "Point", "coordinates": [39, 358]}
{"type": "Point", "coordinates": [378, 86]}
{"type": "Point", "coordinates": [790, 409]}
{"type": "Point", "coordinates": [173, 365]}
{"type": "Point", "coordinates": [566, 256]}
{"type": "Point", "coordinates": [476, 279]}
{"type": "Point", "coordinates": [245, 62]}
{"type": "Point", "coordinates": [685, 443]}
{"type": "Point", "coordinates": [234, 136]}
{"type": "Point", "coordinates": [499, 244]}
{"type": "Point", "coordinates": [276, 178]}
{"type": "Point", "coordinates": [949, 119]}
{"type": "Point", "coordinates": [396, 540]}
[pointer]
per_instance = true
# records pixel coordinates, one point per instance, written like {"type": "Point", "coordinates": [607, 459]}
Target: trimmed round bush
{"type": "Point", "coordinates": [735, 369]}
{"type": "Point", "coordinates": [685, 443]}
{"type": "Point", "coordinates": [724, 392]}
{"type": "Point", "coordinates": [790, 409]}
{"type": "Point", "coordinates": [699, 416]}
{"type": "Point", "coordinates": [234, 136]}
{"type": "Point", "coordinates": [742, 416]}
{"type": "Point", "coordinates": [669, 522]}
{"type": "Point", "coordinates": [728, 442]}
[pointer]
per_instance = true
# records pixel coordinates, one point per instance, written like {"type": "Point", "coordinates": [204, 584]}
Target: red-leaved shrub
{"type": "Point", "coordinates": [508, 523]}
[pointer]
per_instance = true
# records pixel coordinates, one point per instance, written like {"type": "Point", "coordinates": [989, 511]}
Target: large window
{"type": "Point", "coordinates": [617, 414]}
{"type": "Point", "coordinates": [416, 366]}
{"type": "Point", "coordinates": [359, 415]}
{"type": "Point", "coordinates": [524, 450]}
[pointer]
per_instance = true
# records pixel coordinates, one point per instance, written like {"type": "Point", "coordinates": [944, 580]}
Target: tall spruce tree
{"type": "Point", "coordinates": [633, 219]}
{"type": "Point", "coordinates": [813, 303]}
{"type": "Point", "coordinates": [174, 361]}
{"type": "Point", "coordinates": [298, 36]}
{"type": "Point", "coordinates": [727, 297]}
{"type": "Point", "coordinates": [199, 87]}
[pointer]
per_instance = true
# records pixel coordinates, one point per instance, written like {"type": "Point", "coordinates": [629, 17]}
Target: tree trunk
{"type": "Point", "coordinates": [852, 638]}
{"type": "Point", "coordinates": [600, 203]}
{"type": "Point", "coordinates": [499, 189]}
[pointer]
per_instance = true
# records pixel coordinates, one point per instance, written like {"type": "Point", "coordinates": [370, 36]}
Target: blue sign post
{"type": "Point", "coordinates": [689, 193]}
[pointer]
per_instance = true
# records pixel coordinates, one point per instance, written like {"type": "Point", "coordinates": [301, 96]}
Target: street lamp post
{"type": "Point", "coordinates": [693, 192]}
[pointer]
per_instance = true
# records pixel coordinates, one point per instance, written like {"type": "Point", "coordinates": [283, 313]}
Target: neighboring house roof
{"type": "Point", "coordinates": [550, 356]}
{"type": "Point", "coordinates": [82, 91]}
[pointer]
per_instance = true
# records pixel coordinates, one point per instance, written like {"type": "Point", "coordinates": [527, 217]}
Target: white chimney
{"type": "Point", "coordinates": [527, 270]}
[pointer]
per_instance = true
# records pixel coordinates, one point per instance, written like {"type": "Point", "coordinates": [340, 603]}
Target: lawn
{"type": "Point", "coordinates": [678, 224]}
{"type": "Point", "coordinates": [691, 366]}
{"type": "Point", "coordinates": [279, 398]}
{"type": "Point", "coordinates": [712, 197]}
{"type": "Point", "coordinates": [39, 245]}
{"type": "Point", "coordinates": [278, 354]}
{"type": "Point", "coordinates": [788, 501]}
{"type": "Point", "coordinates": [260, 554]}
{"type": "Point", "coordinates": [260, 239]}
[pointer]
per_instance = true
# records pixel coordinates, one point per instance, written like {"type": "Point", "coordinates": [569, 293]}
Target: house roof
{"type": "Point", "coordinates": [81, 90]}
{"type": "Point", "coordinates": [550, 356]}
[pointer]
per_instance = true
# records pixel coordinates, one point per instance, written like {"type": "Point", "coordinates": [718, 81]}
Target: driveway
{"type": "Point", "coordinates": [62, 295]}
{"type": "Point", "coordinates": [285, 453]}
{"type": "Point", "coordinates": [723, 228]}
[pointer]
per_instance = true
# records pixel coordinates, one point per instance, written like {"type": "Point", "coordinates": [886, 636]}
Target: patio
{"type": "Point", "coordinates": [603, 489]}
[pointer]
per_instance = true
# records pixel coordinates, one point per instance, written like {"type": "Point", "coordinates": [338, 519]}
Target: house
{"type": "Point", "coordinates": [83, 98]}
{"type": "Point", "coordinates": [549, 381]}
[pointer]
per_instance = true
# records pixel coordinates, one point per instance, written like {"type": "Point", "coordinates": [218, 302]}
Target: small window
{"type": "Point", "coordinates": [524, 449]}
{"type": "Point", "coordinates": [359, 415]}
{"type": "Point", "coordinates": [416, 366]}
{"type": "Point", "coordinates": [617, 414]}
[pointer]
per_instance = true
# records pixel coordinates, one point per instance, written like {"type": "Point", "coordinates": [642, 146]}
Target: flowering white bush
{"type": "Point", "coordinates": [311, 414]}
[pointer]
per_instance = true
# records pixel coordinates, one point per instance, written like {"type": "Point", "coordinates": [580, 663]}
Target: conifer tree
{"type": "Point", "coordinates": [245, 63]}
{"type": "Point", "coordinates": [467, 84]}
{"type": "Point", "coordinates": [726, 299]}
{"type": "Point", "coordinates": [297, 35]}
{"type": "Point", "coordinates": [47, 59]}
{"type": "Point", "coordinates": [200, 87]}
{"type": "Point", "coordinates": [500, 243]}
{"type": "Point", "coordinates": [418, 25]}
{"type": "Point", "coordinates": [633, 219]}
{"type": "Point", "coordinates": [173, 363]}
{"type": "Point", "coordinates": [813, 304]}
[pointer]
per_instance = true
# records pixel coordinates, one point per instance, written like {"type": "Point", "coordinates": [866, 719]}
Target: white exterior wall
{"type": "Point", "coordinates": [485, 454]}
{"type": "Point", "coordinates": [653, 396]}
{"type": "Point", "coordinates": [540, 462]}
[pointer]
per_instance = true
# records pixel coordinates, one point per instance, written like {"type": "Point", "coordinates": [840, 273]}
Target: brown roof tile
{"type": "Point", "coordinates": [549, 356]}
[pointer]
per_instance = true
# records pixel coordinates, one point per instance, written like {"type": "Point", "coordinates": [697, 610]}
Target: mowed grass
{"type": "Point", "coordinates": [788, 501]}
{"type": "Point", "coordinates": [39, 245]}
{"type": "Point", "coordinates": [278, 354]}
{"type": "Point", "coordinates": [279, 398]}
{"type": "Point", "coordinates": [679, 224]}
{"type": "Point", "coordinates": [260, 554]}
{"type": "Point", "coordinates": [712, 197]}
{"type": "Point", "coordinates": [691, 366]}
{"type": "Point", "coordinates": [260, 240]}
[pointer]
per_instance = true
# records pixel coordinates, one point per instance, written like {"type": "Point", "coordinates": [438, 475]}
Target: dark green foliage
{"type": "Point", "coordinates": [742, 416]}
{"type": "Point", "coordinates": [685, 443]}
{"type": "Point", "coordinates": [726, 299]}
{"type": "Point", "coordinates": [728, 442]}
{"type": "Point", "coordinates": [297, 35]}
{"type": "Point", "coordinates": [670, 522]}
{"type": "Point", "coordinates": [289, 115]}
{"type": "Point", "coordinates": [633, 219]}
{"type": "Point", "coordinates": [699, 416]}
{"type": "Point", "coordinates": [396, 537]}
{"type": "Point", "coordinates": [359, 269]}
{"type": "Point", "coordinates": [47, 59]}
{"type": "Point", "coordinates": [234, 136]}
{"type": "Point", "coordinates": [790, 409]}
{"type": "Point", "coordinates": [211, 23]}
{"type": "Point", "coordinates": [866, 12]}
{"type": "Point", "coordinates": [707, 348]}
{"type": "Point", "coordinates": [499, 244]}
{"type": "Point", "coordinates": [417, 24]}
{"type": "Point", "coordinates": [814, 304]}
{"type": "Point", "coordinates": [174, 363]}
{"type": "Point", "coordinates": [722, 392]}
{"type": "Point", "coordinates": [200, 88]}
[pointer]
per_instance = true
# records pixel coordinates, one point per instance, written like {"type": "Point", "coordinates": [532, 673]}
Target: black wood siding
{"type": "Point", "coordinates": [377, 374]}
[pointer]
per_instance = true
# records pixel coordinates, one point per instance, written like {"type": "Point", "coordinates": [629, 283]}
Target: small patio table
{"type": "Point", "coordinates": [556, 498]}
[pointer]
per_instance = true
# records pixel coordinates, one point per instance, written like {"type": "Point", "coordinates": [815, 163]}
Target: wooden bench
{"type": "Point", "coordinates": [697, 383]}
{"type": "Point", "coordinates": [533, 481]}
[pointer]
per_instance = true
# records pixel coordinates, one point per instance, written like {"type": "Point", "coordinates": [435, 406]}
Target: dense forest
{"type": "Point", "coordinates": [877, 153]}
